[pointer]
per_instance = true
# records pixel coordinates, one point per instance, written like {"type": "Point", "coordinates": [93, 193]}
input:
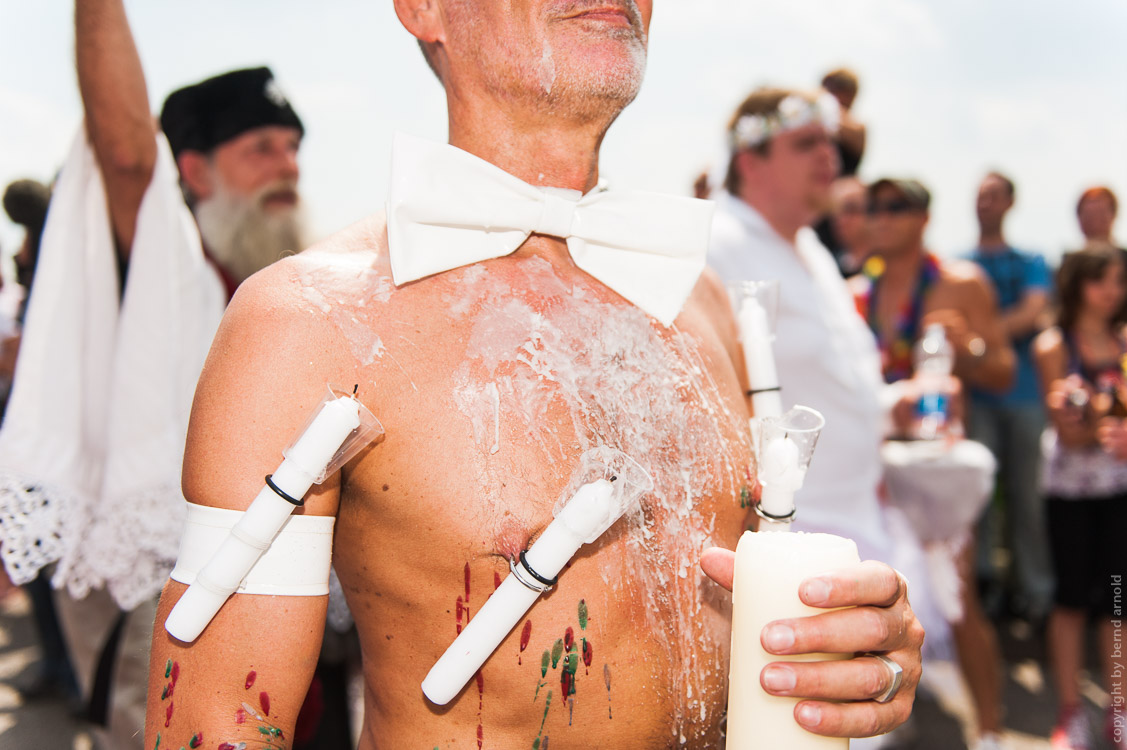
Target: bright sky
{"type": "Point", "coordinates": [950, 89]}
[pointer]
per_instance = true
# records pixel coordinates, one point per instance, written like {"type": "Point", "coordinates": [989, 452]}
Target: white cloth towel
{"type": "Point", "coordinates": [93, 440]}
{"type": "Point", "coordinates": [447, 208]}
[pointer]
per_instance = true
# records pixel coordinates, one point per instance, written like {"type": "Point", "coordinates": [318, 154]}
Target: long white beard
{"type": "Point", "coordinates": [243, 236]}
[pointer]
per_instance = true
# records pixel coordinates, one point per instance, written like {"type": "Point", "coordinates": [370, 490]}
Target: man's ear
{"type": "Point", "coordinates": [196, 173]}
{"type": "Point", "coordinates": [423, 18]}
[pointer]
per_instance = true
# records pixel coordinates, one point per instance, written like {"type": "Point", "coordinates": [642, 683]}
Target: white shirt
{"type": "Point", "coordinates": [827, 359]}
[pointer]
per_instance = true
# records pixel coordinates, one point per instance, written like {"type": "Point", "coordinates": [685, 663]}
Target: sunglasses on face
{"type": "Point", "coordinates": [895, 208]}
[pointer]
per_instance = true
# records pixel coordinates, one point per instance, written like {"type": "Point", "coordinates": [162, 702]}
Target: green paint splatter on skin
{"type": "Point", "coordinates": [745, 497]}
{"type": "Point", "coordinates": [582, 614]}
{"type": "Point", "coordinates": [547, 705]}
{"type": "Point", "coordinates": [557, 652]}
{"type": "Point", "coordinates": [571, 663]}
{"type": "Point", "coordinates": [167, 668]}
{"type": "Point", "coordinates": [544, 663]}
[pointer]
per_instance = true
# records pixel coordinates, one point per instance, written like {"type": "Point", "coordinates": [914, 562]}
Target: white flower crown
{"type": "Point", "coordinates": [793, 112]}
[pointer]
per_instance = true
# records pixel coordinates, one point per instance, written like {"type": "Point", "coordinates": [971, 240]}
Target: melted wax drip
{"type": "Point", "coordinates": [496, 580]}
{"type": "Point", "coordinates": [229, 746]}
{"type": "Point", "coordinates": [196, 741]}
{"type": "Point", "coordinates": [264, 700]}
{"type": "Point", "coordinates": [582, 614]}
{"type": "Point", "coordinates": [251, 675]}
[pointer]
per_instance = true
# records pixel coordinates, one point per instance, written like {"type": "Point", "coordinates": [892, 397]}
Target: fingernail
{"type": "Point", "coordinates": [816, 591]}
{"type": "Point", "coordinates": [810, 716]}
{"type": "Point", "coordinates": [779, 637]}
{"type": "Point", "coordinates": [779, 679]}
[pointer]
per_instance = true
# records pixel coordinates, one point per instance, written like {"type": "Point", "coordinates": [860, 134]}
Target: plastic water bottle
{"type": "Point", "coordinates": [934, 359]}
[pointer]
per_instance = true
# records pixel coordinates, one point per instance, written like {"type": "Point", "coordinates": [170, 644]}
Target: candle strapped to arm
{"type": "Point", "coordinates": [336, 432]}
{"type": "Point", "coordinates": [607, 484]}
{"type": "Point", "coordinates": [756, 304]}
{"type": "Point", "coordinates": [784, 446]}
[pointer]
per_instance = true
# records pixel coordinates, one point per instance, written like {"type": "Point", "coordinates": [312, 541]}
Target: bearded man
{"type": "Point", "coordinates": [496, 353]}
{"type": "Point", "coordinates": [125, 305]}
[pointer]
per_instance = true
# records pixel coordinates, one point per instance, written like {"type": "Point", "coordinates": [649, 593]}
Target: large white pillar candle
{"type": "Point", "coordinates": [769, 570]}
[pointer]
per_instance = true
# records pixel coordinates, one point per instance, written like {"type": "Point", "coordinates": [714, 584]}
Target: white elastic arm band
{"type": "Point", "coordinates": [297, 563]}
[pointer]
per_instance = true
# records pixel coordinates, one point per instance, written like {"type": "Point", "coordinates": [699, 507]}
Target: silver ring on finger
{"type": "Point", "coordinates": [896, 678]}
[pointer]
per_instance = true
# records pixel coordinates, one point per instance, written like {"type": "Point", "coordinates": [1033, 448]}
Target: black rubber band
{"type": "Point", "coordinates": [546, 581]}
{"type": "Point", "coordinates": [278, 491]}
{"type": "Point", "coordinates": [772, 517]}
{"type": "Point", "coordinates": [754, 391]}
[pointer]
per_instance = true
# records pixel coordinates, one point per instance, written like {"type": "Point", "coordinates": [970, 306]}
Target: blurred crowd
{"type": "Point", "coordinates": [983, 347]}
{"type": "Point", "coordinates": [990, 459]}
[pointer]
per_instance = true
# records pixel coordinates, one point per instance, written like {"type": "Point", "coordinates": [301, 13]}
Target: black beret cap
{"type": "Point", "coordinates": [211, 112]}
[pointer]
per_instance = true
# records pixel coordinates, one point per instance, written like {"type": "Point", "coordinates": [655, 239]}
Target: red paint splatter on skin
{"type": "Point", "coordinates": [569, 639]}
{"type": "Point", "coordinates": [467, 575]}
{"type": "Point", "coordinates": [251, 677]}
{"type": "Point", "coordinates": [525, 636]}
{"type": "Point", "coordinates": [168, 715]}
{"type": "Point", "coordinates": [496, 580]}
{"type": "Point", "coordinates": [240, 716]}
{"type": "Point", "coordinates": [264, 700]}
{"type": "Point", "coordinates": [588, 654]}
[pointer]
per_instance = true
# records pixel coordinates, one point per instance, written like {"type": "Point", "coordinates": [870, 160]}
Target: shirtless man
{"type": "Point", "coordinates": [954, 293]}
{"type": "Point", "coordinates": [490, 380]}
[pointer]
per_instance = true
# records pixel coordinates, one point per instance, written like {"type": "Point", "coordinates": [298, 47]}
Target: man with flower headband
{"type": "Point", "coordinates": [503, 316]}
{"type": "Point", "coordinates": [780, 174]}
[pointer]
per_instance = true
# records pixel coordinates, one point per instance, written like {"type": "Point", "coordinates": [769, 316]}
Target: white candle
{"type": "Point", "coordinates": [306, 462]}
{"type": "Point", "coordinates": [759, 358]}
{"type": "Point", "coordinates": [583, 519]}
{"type": "Point", "coordinates": [769, 570]}
{"type": "Point", "coordinates": [781, 475]}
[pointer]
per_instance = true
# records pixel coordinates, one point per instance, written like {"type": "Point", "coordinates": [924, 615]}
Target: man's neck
{"type": "Point", "coordinates": [901, 269]}
{"type": "Point", "coordinates": [785, 220]}
{"type": "Point", "coordinates": [541, 150]}
{"type": "Point", "coordinates": [992, 239]}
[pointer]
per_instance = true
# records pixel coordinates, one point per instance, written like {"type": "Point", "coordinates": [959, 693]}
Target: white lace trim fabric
{"type": "Point", "coordinates": [93, 438]}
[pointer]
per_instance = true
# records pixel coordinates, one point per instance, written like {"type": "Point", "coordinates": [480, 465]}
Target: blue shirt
{"type": "Point", "coordinates": [1015, 273]}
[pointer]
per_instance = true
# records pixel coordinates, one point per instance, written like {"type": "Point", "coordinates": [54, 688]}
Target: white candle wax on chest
{"type": "Point", "coordinates": [769, 570]}
{"type": "Point", "coordinates": [759, 358]}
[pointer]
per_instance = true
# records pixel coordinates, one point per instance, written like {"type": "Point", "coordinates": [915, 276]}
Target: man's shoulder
{"type": "Point", "coordinates": [964, 279]}
{"type": "Point", "coordinates": [342, 270]}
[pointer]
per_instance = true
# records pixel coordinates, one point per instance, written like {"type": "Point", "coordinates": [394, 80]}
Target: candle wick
{"type": "Point", "coordinates": [614, 477]}
{"type": "Point", "coordinates": [355, 388]}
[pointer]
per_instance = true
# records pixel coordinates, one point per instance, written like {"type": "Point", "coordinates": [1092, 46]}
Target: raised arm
{"type": "Point", "coordinates": [245, 678]}
{"type": "Point", "coordinates": [116, 104]}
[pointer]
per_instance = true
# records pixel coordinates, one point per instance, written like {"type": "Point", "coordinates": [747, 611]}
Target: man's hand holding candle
{"type": "Point", "coordinates": [879, 620]}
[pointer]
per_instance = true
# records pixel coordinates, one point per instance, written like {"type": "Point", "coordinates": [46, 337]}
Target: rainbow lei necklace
{"type": "Point", "coordinates": [896, 345]}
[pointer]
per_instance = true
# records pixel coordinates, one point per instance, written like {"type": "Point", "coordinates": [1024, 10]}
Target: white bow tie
{"type": "Point", "coordinates": [447, 208]}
